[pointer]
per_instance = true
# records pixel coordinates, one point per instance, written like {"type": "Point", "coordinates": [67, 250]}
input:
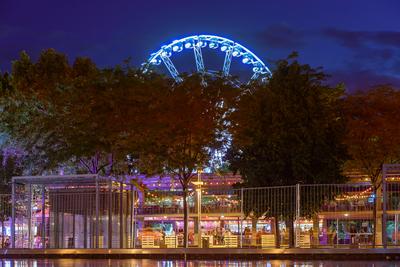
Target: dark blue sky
{"type": "Point", "coordinates": [357, 42]}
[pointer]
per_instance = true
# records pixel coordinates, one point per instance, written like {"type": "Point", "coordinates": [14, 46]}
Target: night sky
{"type": "Point", "coordinates": [357, 42]}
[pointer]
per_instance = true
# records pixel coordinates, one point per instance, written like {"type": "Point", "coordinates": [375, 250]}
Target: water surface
{"type": "Point", "coordinates": [195, 263]}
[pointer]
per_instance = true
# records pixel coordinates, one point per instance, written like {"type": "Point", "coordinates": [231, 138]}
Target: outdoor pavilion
{"type": "Point", "coordinates": [66, 209]}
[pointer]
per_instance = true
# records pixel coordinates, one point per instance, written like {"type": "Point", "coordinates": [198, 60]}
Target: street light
{"type": "Point", "coordinates": [198, 185]}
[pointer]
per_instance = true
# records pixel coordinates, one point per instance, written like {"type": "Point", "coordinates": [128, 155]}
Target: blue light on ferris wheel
{"type": "Point", "coordinates": [230, 48]}
{"type": "Point", "coordinates": [236, 53]}
{"type": "Point", "coordinates": [213, 45]}
{"type": "Point", "coordinates": [155, 61]}
{"type": "Point", "coordinates": [177, 48]}
{"type": "Point", "coordinates": [202, 44]}
{"type": "Point", "coordinates": [166, 54]}
{"type": "Point", "coordinates": [245, 60]}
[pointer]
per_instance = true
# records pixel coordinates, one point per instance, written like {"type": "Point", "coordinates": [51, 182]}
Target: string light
{"type": "Point", "coordinates": [364, 194]}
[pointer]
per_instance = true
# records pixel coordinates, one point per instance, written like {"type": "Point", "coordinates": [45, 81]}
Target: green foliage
{"type": "Point", "coordinates": [60, 113]}
{"type": "Point", "coordinates": [189, 123]}
{"type": "Point", "coordinates": [10, 165]}
{"type": "Point", "coordinates": [289, 130]}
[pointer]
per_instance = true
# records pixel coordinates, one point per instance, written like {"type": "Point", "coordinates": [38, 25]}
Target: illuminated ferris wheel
{"type": "Point", "coordinates": [231, 49]}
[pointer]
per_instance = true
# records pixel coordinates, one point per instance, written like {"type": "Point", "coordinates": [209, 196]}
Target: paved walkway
{"type": "Point", "coordinates": [210, 254]}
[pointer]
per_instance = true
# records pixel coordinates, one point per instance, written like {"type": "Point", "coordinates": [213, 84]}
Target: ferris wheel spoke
{"type": "Point", "coordinates": [255, 76]}
{"type": "Point", "coordinates": [231, 49]}
{"type": "Point", "coordinates": [171, 68]}
{"type": "Point", "coordinates": [227, 62]}
{"type": "Point", "coordinates": [199, 58]}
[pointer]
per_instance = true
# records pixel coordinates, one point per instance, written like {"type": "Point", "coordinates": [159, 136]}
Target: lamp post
{"type": "Point", "coordinates": [198, 185]}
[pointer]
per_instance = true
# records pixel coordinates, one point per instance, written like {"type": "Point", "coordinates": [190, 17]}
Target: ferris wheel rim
{"type": "Point", "coordinates": [196, 42]}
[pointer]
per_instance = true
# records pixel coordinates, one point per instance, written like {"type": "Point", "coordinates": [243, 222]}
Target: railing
{"type": "Point", "coordinates": [317, 216]}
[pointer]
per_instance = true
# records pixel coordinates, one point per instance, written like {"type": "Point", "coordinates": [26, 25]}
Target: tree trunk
{"type": "Point", "coordinates": [290, 229]}
{"type": "Point", "coordinates": [110, 164]}
{"type": "Point", "coordinates": [277, 233]}
{"type": "Point", "coordinates": [185, 218]}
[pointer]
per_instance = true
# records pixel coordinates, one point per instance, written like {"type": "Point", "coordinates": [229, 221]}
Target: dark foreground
{"type": "Point", "coordinates": [189, 263]}
{"type": "Point", "coordinates": [390, 254]}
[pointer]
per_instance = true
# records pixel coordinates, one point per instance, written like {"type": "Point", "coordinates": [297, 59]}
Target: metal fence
{"type": "Point", "coordinates": [112, 213]}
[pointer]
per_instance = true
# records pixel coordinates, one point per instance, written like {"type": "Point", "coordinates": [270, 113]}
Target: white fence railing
{"type": "Point", "coordinates": [119, 216]}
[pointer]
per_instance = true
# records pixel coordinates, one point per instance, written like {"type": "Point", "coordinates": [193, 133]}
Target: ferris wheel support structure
{"type": "Point", "coordinates": [197, 43]}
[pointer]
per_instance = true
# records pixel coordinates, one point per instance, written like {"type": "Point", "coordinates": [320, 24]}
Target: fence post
{"type": "Point", "coordinates": [13, 213]}
{"type": "Point", "coordinates": [297, 240]}
{"type": "Point", "coordinates": [132, 228]}
{"type": "Point", "coordinates": [110, 202]}
{"type": "Point", "coordinates": [43, 217]}
{"type": "Point", "coordinates": [30, 216]}
{"type": "Point", "coordinates": [121, 215]}
{"type": "Point", "coordinates": [384, 206]}
{"type": "Point", "coordinates": [97, 211]}
{"type": "Point", "coordinates": [241, 217]}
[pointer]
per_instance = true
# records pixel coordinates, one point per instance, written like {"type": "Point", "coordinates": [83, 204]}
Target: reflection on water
{"type": "Point", "coordinates": [178, 263]}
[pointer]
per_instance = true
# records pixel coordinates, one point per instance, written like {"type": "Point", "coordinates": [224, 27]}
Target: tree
{"type": "Point", "coordinates": [372, 135]}
{"type": "Point", "coordinates": [61, 113]}
{"type": "Point", "coordinates": [289, 131]}
{"type": "Point", "coordinates": [188, 122]}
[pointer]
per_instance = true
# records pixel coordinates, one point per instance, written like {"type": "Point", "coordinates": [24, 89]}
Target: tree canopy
{"type": "Point", "coordinates": [289, 130]}
{"type": "Point", "coordinates": [63, 113]}
{"type": "Point", "coordinates": [372, 132]}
